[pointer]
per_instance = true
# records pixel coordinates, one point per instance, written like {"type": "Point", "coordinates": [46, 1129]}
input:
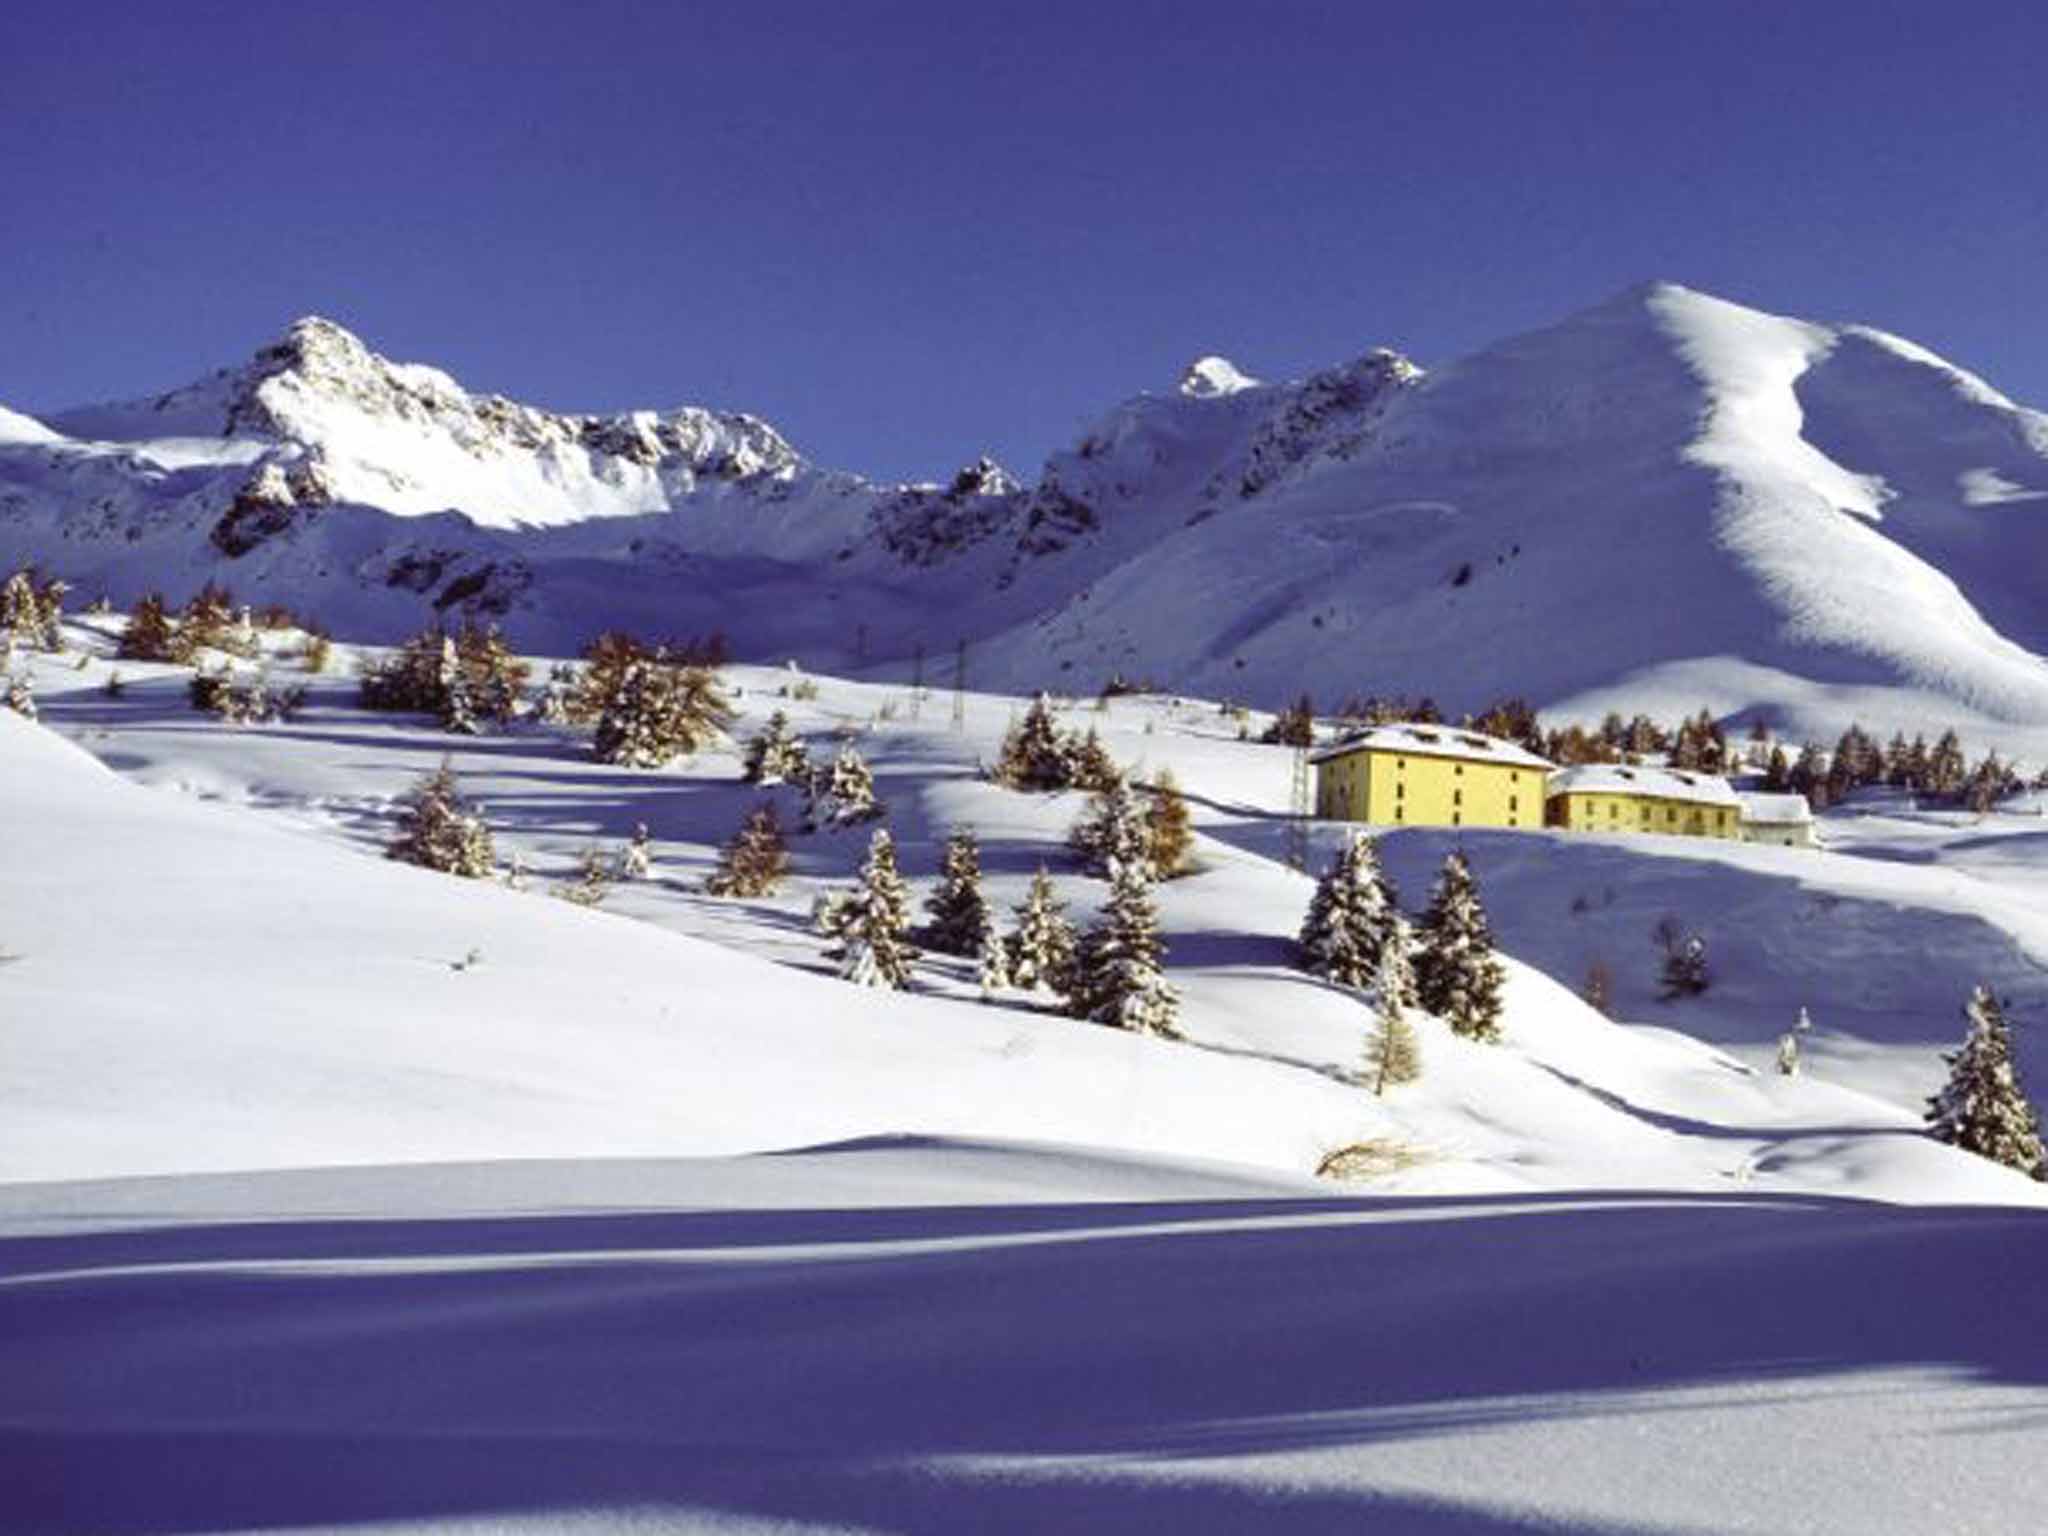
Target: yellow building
{"type": "Point", "coordinates": [1429, 776]}
{"type": "Point", "coordinates": [1608, 797]}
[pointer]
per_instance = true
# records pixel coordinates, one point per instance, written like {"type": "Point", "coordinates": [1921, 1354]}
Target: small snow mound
{"type": "Point", "coordinates": [1211, 377]}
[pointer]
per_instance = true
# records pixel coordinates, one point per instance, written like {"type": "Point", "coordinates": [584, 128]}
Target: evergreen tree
{"type": "Point", "coordinates": [437, 830]}
{"type": "Point", "coordinates": [841, 793]}
{"type": "Point", "coordinates": [458, 711]}
{"type": "Point", "coordinates": [756, 861]}
{"type": "Point", "coordinates": [1035, 755]}
{"type": "Point", "coordinates": [1116, 977]}
{"type": "Point", "coordinates": [1982, 1108]}
{"type": "Point", "coordinates": [1170, 827]}
{"type": "Point", "coordinates": [775, 754]}
{"type": "Point", "coordinates": [1042, 948]}
{"type": "Point", "coordinates": [554, 706]}
{"type": "Point", "coordinates": [1457, 975]}
{"type": "Point", "coordinates": [872, 924]}
{"type": "Point", "coordinates": [960, 921]}
{"type": "Point", "coordinates": [1777, 772]}
{"type": "Point", "coordinates": [149, 635]}
{"type": "Point", "coordinates": [1351, 918]}
{"type": "Point", "coordinates": [1114, 831]}
{"type": "Point", "coordinates": [660, 712]}
{"type": "Point", "coordinates": [1809, 777]}
{"type": "Point", "coordinates": [1789, 1061]}
{"type": "Point", "coordinates": [992, 965]}
{"type": "Point", "coordinates": [1393, 1053]}
{"type": "Point", "coordinates": [1089, 765]}
{"type": "Point", "coordinates": [1946, 767]}
{"type": "Point", "coordinates": [1294, 726]}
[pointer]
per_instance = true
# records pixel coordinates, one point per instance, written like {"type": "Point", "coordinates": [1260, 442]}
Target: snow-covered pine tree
{"type": "Point", "coordinates": [1457, 975]}
{"type": "Point", "coordinates": [1393, 1053]}
{"type": "Point", "coordinates": [437, 830]}
{"type": "Point", "coordinates": [1042, 948]}
{"type": "Point", "coordinates": [992, 965]}
{"type": "Point", "coordinates": [1170, 826]}
{"type": "Point", "coordinates": [1982, 1108]}
{"type": "Point", "coordinates": [637, 861]}
{"type": "Point", "coordinates": [1116, 977]}
{"type": "Point", "coordinates": [21, 613]}
{"type": "Point", "coordinates": [458, 709]}
{"type": "Point", "coordinates": [149, 635]}
{"type": "Point", "coordinates": [960, 920]}
{"type": "Point", "coordinates": [1351, 917]}
{"type": "Point", "coordinates": [841, 793]}
{"type": "Point", "coordinates": [1947, 768]}
{"type": "Point", "coordinates": [1788, 1056]}
{"type": "Point", "coordinates": [1114, 831]}
{"type": "Point", "coordinates": [1089, 765]}
{"type": "Point", "coordinates": [208, 623]}
{"type": "Point", "coordinates": [874, 921]}
{"type": "Point", "coordinates": [1804, 1022]}
{"type": "Point", "coordinates": [776, 754]}
{"type": "Point", "coordinates": [1034, 754]}
{"type": "Point", "coordinates": [756, 861]}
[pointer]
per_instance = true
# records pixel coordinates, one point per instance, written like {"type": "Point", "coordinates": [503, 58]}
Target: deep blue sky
{"type": "Point", "coordinates": [906, 233]}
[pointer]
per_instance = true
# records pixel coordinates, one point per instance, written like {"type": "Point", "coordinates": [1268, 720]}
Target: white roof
{"type": "Point", "coordinates": [1658, 783]}
{"type": "Point", "coordinates": [1433, 741]}
{"type": "Point", "coordinates": [1776, 809]}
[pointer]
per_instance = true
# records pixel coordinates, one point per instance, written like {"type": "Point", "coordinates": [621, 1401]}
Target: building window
{"type": "Point", "coordinates": [1457, 797]}
{"type": "Point", "coordinates": [1513, 805]}
{"type": "Point", "coordinates": [1400, 813]}
{"type": "Point", "coordinates": [1458, 768]}
{"type": "Point", "coordinates": [1457, 817]}
{"type": "Point", "coordinates": [1400, 790]}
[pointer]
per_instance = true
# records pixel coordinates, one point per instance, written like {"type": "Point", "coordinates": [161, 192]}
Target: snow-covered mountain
{"type": "Point", "coordinates": [1666, 501]}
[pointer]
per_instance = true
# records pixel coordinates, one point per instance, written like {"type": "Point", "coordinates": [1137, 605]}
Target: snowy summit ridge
{"type": "Point", "coordinates": [1666, 496]}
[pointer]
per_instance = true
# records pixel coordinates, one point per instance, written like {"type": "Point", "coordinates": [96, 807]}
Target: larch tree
{"type": "Point", "coordinates": [1170, 826]}
{"type": "Point", "coordinates": [1982, 1108]}
{"type": "Point", "coordinates": [1457, 975]}
{"type": "Point", "coordinates": [756, 860]}
{"type": "Point", "coordinates": [1393, 1051]}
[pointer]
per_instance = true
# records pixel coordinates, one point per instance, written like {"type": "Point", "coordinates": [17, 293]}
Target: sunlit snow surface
{"type": "Point", "coordinates": [343, 1196]}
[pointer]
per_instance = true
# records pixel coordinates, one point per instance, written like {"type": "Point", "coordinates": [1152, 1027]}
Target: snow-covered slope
{"type": "Point", "coordinates": [1667, 501]}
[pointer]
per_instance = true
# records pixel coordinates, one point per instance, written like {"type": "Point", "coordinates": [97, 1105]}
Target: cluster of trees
{"type": "Point", "coordinates": [1942, 771]}
{"type": "Point", "coordinates": [438, 830]}
{"type": "Point", "coordinates": [1037, 755]}
{"type": "Point", "coordinates": [253, 702]}
{"type": "Point", "coordinates": [1355, 936]}
{"type": "Point", "coordinates": [465, 678]}
{"type": "Point", "coordinates": [209, 621]}
{"type": "Point", "coordinates": [32, 611]}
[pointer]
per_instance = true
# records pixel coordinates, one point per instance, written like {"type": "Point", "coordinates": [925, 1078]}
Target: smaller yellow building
{"type": "Point", "coordinates": [1429, 776]}
{"type": "Point", "coordinates": [1608, 797]}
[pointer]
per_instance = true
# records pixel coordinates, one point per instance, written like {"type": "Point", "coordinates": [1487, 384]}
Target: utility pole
{"type": "Point", "coordinates": [960, 685]}
{"type": "Point", "coordinates": [1299, 808]}
{"type": "Point", "coordinates": [917, 681]}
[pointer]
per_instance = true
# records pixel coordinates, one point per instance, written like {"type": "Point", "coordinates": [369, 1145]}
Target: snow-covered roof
{"type": "Point", "coordinates": [1433, 741]}
{"type": "Point", "coordinates": [1655, 783]}
{"type": "Point", "coordinates": [1782, 810]}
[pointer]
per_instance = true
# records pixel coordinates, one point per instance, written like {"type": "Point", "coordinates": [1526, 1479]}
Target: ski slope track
{"type": "Point", "coordinates": [1665, 502]}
